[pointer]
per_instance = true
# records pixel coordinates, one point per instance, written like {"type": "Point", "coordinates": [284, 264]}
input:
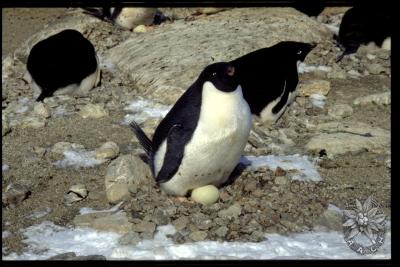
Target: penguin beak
{"type": "Point", "coordinates": [230, 71]}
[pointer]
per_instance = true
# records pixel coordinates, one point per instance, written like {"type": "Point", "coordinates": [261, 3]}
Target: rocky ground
{"type": "Point", "coordinates": [346, 131]}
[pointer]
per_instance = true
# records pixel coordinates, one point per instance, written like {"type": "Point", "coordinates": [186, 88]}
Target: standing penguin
{"type": "Point", "coordinates": [269, 77]}
{"type": "Point", "coordinates": [127, 17]}
{"type": "Point", "coordinates": [362, 25]}
{"type": "Point", "coordinates": [65, 62]}
{"type": "Point", "coordinates": [202, 137]}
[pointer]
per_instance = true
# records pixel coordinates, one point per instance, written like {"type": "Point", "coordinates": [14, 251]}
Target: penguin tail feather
{"type": "Point", "coordinates": [144, 141]}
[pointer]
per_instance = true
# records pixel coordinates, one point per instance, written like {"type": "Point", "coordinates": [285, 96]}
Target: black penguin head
{"type": "Point", "coordinates": [222, 75]}
{"type": "Point", "coordinates": [296, 50]}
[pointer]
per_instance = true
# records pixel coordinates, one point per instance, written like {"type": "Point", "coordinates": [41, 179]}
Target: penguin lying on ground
{"type": "Point", "coordinates": [65, 62]}
{"type": "Point", "coordinates": [202, 137]}
{"type": "Point", "coordinates": [269, 77]}
{"type": "Point", "coordinates": [363, 25]}
{"type": "Point", "coordinates": [127, 17]}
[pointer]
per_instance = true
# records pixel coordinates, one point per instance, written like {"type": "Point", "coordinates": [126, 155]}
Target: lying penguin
{"type": "Point", "coordinates": [363, 25]}
{"type": "Point", "coordinates": [127, 17]}
{"type": "Point", "coordinates": [269, 77]}
{"type": "Point", "coordinates": [63, 63]}
{"type": "Point", "coordinates": [200, 140]}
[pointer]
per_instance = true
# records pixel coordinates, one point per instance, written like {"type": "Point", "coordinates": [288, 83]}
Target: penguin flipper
{"type": "Point", "coordinates": [144, 141]}
{"type": "Point", "coordinates": [173, 154]}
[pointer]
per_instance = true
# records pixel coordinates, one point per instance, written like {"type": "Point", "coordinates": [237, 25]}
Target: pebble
{"type": "Point", "coordinates": [375, 68]}
{"type": "Point", "coordinates": [117, 222]}
{"type": "Point", "coordinates": [279, 171]}
{"type": "Point", "coordinates": [94, 111]}
{"type": "Point", "coordinates": [378, 99]}
{"type": "Point", "coordinates": [281, 180]}
{"type": "Point", "coordinates": [232, 212]}
{"type": "Point", "coordinates": [41, 110]}
{"type": "Point", "coordinates": [129, 239]}
{"type": "Point", "coordinates": [15, 194]}
{"type": "Point", "coordinates": [310, 87]}
{"type": "Point", "coordinates": [222, 231]}
{"type": "Point", "coordinates": [75, 193]}
{"type": "Point", "coordinates": [180, 223]}
{"type": "Point", "coordinates": [340, 111]}
{"type": "Point", "coordinates": [198, 235]}
{"type": "Point", "coordinates": [30, 122]}
{"type": "Point", "coordinates": [160, 217]}
{"type": "Point", "coordinates": [144, 227]}
{"type": "Point", "coordinates": [108, 150]}
{"type": "Point", "coordinates": [61, 147]}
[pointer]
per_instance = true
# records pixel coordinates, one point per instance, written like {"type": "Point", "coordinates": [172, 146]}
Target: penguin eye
{"type": "Point", "coordinates": [299, 52]}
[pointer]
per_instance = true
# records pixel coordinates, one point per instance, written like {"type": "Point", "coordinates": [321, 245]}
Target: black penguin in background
{"type": "Point", "coordinates": [201, 139]}
{"type": "Point", "coordinates": [269, 77]}
{"type": "Point", "coordinates": [65, 62]}
{"type": "Point", "coordinates": [362, 25]}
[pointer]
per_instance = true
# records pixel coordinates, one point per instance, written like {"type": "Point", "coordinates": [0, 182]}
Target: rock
{"type": "Point", "coordinates": [148, 55]}
{"type": "Point", "coordinates": [321, 87]}
{"type": "Point", "coordinates": [117, 222]}
{"type": "Point", "coordinates": [340, 111]}
{"type": "Point", "coordinates": [129, 239]}
{"type": "Point", "coordinates": [281, 180]}
{"type": "Point", "coordinates": [318, 101]}
{"type": "Point", "coordinates": [31, 122]}
{"type": "Point", "coordinates": [279, 171]}
{"type": "Point", "coordinates": [14, 194]}
{"type": "Point", "coordinates": [41, 110]}
{"type": "Point", "coordinates": [72, 257]}
{"type": "Point", "coordinates": [198, 235]}
{"type": "Point", "coordinates": [257, 236]}
{"type": "Point", "coordinates": [375, 68]}
{"type": "Point", "coordinates": [378, 99]}
{"type": "Point", "coordinates": [5, 128]}
{"type": "Point", "coordinates": [331, 219]}
{"type": "Point", "coordinates": [340, 138]}
{"type": "Point", "coordinates": [61, 147]}
{"type": "Point", "coordinates": [140, 29]}
{"type": "Point", "coordinates": [205, 195]}
{"type": "Point", "coordinates": [75, 193]}
{"type": "Point", "coordinates": [122, 172]}
{"type": "Point", "coordinates": [180, 223]}
{"type": "Point", "coordinates": [388, 163]}
{"type": "Point", "coordinates": [144, 227]}
{"type": "Point", "coordinates": [222, 231]}
{"type": "Point", "coordinates": [354, 74]}
{"type": "Point", "coordinates": [160, 216]}
{"type": "Point", "coordinates": [108, 150]}
{"type": "Point", "coordinates": [94, 111]}
{"type": "Point", "coordinates": [232, 212]}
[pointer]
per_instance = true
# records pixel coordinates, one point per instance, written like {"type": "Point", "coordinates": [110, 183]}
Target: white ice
{"type": "Point", "coordinates": [5, 167]}
{"type": "Point", "coordinates": [78, 158]}
{"type": "Point", "coordinates": [39, 214]}
{"type": "Point", "coordinates": [318, 100]}
{"type": "Point", "coordinates": [46, 240]}
{"type": "Point", "coordinates": [143, 109]}
{"type": "Point", "coordinates": [303, 67]}
{"type": "Point", "coordinates": [332, 27]}
{"type": "Point", "coordinates": [305, 169]}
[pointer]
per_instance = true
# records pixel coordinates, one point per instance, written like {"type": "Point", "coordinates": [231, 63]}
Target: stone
{"type": "Point", "coordinates": [123, 172]}
{"type": "Point", "coordinates": [94, 111]}
{"type": "Point", "coordinates": [198, 235]}
{"type": "Point", "coordinates": [108, 150]}
{"type": "Point", "coordinates": [140, 29]}
{"type": "Point", "coordinates": [272, 26]}
{"type": "Point", "coordinates": [117, 222]}
{"type": "Point", "coordinates": [232, 212]}
{"type": "Point", "coordinates": [72, 257]}
{"type": "Point", "coordinates": [375, 68]}
{"type": "Point", "coordinates": [222, 231]}
{"type": "Point", "coordinates": [14, 194]}
{"type": "Point", "coordinates": [32, 122]}
{"type": "Point", "coordinates": [310, 87]}
{"type": "Point", "coordinates": [61, 147]}
{"type": "Point", "coordinates": [257, 236]}
{"type": "Point", "coordinates": [160, 216]}
{"type": "Point", "coordinates": [75, 193]}
{"type": "Point", "coordinates": [180, 223]}
{"type": "Point", "coordinates": [144, 227]}
{"type": "Point", "coordinates": [378, 99]}
{"type": "Point", "coordinates": [340, 138]}
{"type": "Point", "coordinates": [340, 111]}
{"type": "Point", "coordinates": [279, 171]}
{"type": "Point", "coordinates": [331, 219]}
{"type": "Point", "coordinates": [281, 180]}
{"type": "Point", "coordinates": [129, 239]}
{"type": "Point", "coordinates": [41, 110]}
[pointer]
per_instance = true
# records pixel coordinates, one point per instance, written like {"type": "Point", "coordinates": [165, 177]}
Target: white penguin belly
{"type": "Point", "coordinates": [216, 145]}
{"type": "Point", "coordinates": [267, 115]}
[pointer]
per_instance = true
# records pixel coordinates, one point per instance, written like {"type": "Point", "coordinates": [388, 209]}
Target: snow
{"type": "Point", "coordinates": [78, 158]}
{"type": "Point", "coordinates": [303, 67]}
{"type": "Point", "coordinates": [39, 214]}
{"type": "Point", "coordinates": [143, 109]}
{"type": "Point", "coordinates": [332, 27]}
{"type": "Point", "coordinates": [5, 234]}
{"type": "Point", "coordinates": [46, 240]}
{"type": "Point", "coordinates": [318, 100]}
{"type": "Point", "coordinates": [90, 210]}
{"type": "Point", "coordinates": [5, 167]}
{"type": "Point", "coordinates": [305, 169]}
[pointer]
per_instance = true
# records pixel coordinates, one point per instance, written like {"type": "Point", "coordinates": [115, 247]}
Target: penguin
{"type": "Point", "coordinates": [362, 25]}
{"type": "Point", "coordinates": [269, 77]}
{"type": "Point", "coordinates": [312, 9]}
{"type": "Point", "coordinates": [126, 17]}
{"type": "Point", "coordinates": [63, 63]}
{"type": "Point", "coordinates": [201, 139]}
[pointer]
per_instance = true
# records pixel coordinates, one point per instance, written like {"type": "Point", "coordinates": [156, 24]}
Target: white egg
{"type": "Point", "coordinates": [206, 195]}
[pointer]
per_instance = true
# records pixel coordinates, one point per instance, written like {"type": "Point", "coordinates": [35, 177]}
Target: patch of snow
{"type": "Point", "coordinates": [334, 208]}
{"type": "Point", "coordinates": [46, 240]}
{"type": "Point", "coordinates": [39, 214]}
{"type": "Point", "coordinates": [303, 67]}
{"type": "Point", "coordinates": [5, 167]}
{"type": "Point", "coordinates": [90, 210]}
{"type": "Point", "coordinates": [143, 109]}
{"type": "Point", "coordinates": [60, 111]}
{"type": "Point", "coordinates": [78, 158]}
{"type": "Point", "coordinates": [306, 169]}
{"type": "Point", "coordinates": [332, 27]}
{"type": "Point", "coordinates": [318, 100]}
{"type": "Point", "coordinates": [5, 234]}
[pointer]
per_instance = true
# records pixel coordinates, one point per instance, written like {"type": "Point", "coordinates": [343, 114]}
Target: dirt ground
{"type": "Point", "coordinates": [346, 177]}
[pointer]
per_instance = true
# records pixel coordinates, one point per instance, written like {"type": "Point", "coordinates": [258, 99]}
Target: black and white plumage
{"type": "Point", "coordinates": [363, 25]}
{"type": "Point", "coordinates": [125, 17]}
{"type": "Point", "coordinates": [269, 77]}
{"type": "Point", "coordinates": [63, 63]}
{"type": "Point", "coordinates": [202, 137]}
